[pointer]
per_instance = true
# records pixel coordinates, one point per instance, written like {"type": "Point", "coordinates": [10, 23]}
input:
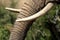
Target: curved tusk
{"type": "Point", "coordinates": [13, 10]}
{"type": "Point", "coordinates": [40, 13]}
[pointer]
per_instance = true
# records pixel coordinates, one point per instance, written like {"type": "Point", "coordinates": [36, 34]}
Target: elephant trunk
{"type": "Point", "coordinates": [19, 31]}
{"type": "Point", "coordinates": [20, 28]}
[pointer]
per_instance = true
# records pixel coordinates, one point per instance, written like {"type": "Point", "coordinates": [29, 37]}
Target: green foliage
{"type": "Point", "coordinates": [43, 27]}
{"type": "Point", "coordinates": [4, 33]}
{"type": "Point", "coordinates": [6, 22]}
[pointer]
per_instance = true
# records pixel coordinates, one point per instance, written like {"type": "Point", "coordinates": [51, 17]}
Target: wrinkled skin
{"type": "Point", "coordinates": [29, 7]}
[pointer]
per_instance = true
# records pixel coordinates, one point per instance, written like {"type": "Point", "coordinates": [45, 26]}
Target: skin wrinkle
{"type": "Point", "coordinates": [20, 32]}
{"type": "Point", "coordinates": [20, 16]}
{"type": "Point", "coordinates": [29, 9]}
{"type": "Point", "coordinates": [25, 13]}
{"type": "Point", "coordinates": [30, 6]}
{"type": "Point", "coordinates": [20, 27]}
{"type": "Point", "coordinates": [23, 23]}
{"type": "Point", "coordinates": [17, 32]}
{"type": "Point", "coordinates": [26, 9]}
{"type": "Point", "coordinates": [33, 6]}
{"type": "Point", "coordinates": [20, 24]}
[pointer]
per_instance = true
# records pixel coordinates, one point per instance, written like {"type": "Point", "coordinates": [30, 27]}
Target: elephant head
{"type": "Point", "coordinates": [27, 8]}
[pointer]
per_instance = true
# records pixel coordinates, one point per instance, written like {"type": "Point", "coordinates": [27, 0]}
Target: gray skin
{"type": "Point", "coordinates": [28, 8]}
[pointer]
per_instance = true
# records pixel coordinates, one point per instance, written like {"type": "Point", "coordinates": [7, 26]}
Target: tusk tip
{"type": "Point", "coordinates": [18, 20]}
{"type": "Point", "coordinates": [13, 10]}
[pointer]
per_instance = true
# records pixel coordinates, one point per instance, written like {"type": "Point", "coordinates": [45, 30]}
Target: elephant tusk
{"type": "Point", "coordinates": [40, 13]}
{"type": "Point", "coordinates": [13, 10]}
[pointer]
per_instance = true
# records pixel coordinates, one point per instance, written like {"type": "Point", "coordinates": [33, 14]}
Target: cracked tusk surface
{"type": "Point", "coordinates": [12, 9]}
{"type": "Point", "coordinates": [40, 13]}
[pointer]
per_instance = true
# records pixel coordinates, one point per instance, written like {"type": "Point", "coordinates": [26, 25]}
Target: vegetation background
{"type": "Point", "coordinates": [46, 27]}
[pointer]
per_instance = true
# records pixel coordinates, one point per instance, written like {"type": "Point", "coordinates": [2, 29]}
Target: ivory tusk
{"type": "Point", "coordinates": [12, 9]}
{"type": "Point", "coordinates": [40, 13]}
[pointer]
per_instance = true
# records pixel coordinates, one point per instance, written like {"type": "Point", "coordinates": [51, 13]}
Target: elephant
{"type": "Point", "coordinates": [27, 8]}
